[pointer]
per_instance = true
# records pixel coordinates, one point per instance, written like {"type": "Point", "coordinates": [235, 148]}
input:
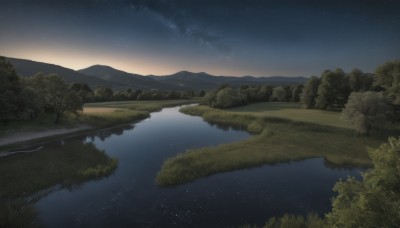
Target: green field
{"type": "Point", "coordinates": [293, 111]}
{"type": "Point", "coordinates": [285, 134]}
{"type": "Point", "coordinates": [122, 112]}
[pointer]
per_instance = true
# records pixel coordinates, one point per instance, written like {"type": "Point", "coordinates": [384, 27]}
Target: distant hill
{"type": "Point", "coordinates": [99, 75]}
{"type": "Point", "coordinates": [27, 68]}
{"type": "Point", "coordinates": [134, 81]}
{"type": "Point", "coordinates": [185, 79]}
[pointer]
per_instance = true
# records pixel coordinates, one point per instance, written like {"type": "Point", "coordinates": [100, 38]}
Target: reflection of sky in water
{"type": "Point", "coordinates": [130, 197]}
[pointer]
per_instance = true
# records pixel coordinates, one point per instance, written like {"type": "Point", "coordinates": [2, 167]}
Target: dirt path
{"type": "Point", "coordinates": [29, 135]}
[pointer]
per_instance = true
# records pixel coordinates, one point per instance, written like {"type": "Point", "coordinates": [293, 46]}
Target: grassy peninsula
{"type": "Point", "coordinates": [284, 132]}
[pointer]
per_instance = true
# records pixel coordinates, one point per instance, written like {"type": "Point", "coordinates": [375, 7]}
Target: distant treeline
{"type": "Point", "coordinates": [102, 93]}
{"type": "Point", "coordinates": [329, 91]}
{"type": "Point", "coordinates": [24, 98]}
{"type": "Point", "coordinates": [367, 100]}
{"type": "Point", "coordinates": [226, 96]}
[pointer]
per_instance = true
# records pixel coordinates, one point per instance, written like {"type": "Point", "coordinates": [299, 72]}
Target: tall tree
{"type": "Point", "coordinates": [360, 81]}
{"type": "Point", "coordinates": [366, 111]}
{"type": "Point", "coordinates": [310, 92]}
{"type": "Point", "coordinates": [57, 95]}
{"type": "Point", "coordinates": [333, 90]}
{"type": "Point", "coordinates": [11, 103]}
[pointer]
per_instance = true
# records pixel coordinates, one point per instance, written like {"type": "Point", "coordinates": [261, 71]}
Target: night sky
{"type": "Point", "coordinates": [236, 38]}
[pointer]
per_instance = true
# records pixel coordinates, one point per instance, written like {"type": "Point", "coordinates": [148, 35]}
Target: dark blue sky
{"type": "Point", "coordinates": [260, 38]}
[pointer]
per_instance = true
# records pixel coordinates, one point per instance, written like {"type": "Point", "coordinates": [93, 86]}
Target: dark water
{"type": "Point", "coordinates": [130, 197]}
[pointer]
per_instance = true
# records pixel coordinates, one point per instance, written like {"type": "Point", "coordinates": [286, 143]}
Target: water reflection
{"type": "Point", "coordinates": [61, 164]}
{"type": "Point", "coordinates": [130, 197]}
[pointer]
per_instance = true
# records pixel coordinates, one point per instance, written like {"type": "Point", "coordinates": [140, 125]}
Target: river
{"type": "Point", "coordinates": [131, 198]}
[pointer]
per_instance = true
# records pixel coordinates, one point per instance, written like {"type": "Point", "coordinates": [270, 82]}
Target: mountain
{"type": "Point", "coordinates": [26, 68]}
{"type": "Point", "coordinates": [134, 81]}
{"type": "Point", "coordinates": [99, 75]}
{"type": "Point", "coordinates": [185, 79]}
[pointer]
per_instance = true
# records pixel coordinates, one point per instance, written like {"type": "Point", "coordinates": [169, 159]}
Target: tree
{"type": "Point", "coordinates": [374, 201]}
{"type": "Point", "coordinates": [84, 91]}
{"type": "Point", "coordinates": [103, 93]}
{"type": "Point", "coordinates": [9, 91]}
{"type": "Point", "coordinates": [279, 94]}
{"type": "Point", "coordinates": [359, 81]}
{"type": "Point", "coordinates": [333, 90]}
{"type": "Point", "coordinates": [295, 93]}
{"type": "Point", "coordinates": [228, 97]}
{"type": "Point", "coordinates": [365, 111]}
{"type": "Point", "coordinates": [387, 75]}
{"type": "Point", "coordinates": [58, 97]}
{"type": "Point", "coordinates": [310, 92]}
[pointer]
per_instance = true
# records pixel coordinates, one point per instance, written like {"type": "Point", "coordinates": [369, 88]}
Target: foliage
{"type": "Point", "coordinates": [366, 111]}
{"type": "Point", "coordinates": [374, 201]}
{"type": "Point", "coordinates": [388, 75]}
{"type": "Point", "coordinates": [11, 93]}
{"type": "Point", "coordinates": [310, 92]}
{"type": "Point", "coordinates": [333, 90]}
{"type": "Point", "coordinates": [359, 81]}
{"type": "Point", "coordinates": [279, 94]}
{"type": "Point", "coordinates": [83, 91]}
{"type": "Point", "coordinates": [102, 93]}
{"type": "Point", "coordinates": [57, 96]}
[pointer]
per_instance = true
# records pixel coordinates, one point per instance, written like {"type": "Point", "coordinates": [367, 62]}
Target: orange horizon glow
{"type": "Point", "coordinates": [76, 59]}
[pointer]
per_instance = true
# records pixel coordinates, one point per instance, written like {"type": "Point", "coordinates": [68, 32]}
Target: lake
{"type": "Point", "coordinates": [131, 198]}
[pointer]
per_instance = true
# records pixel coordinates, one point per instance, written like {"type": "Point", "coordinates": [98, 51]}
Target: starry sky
{"type": "Point", "coordinates": [220, 37]}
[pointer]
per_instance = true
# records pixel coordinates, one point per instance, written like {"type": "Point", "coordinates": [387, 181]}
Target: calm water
{"type": "Point", "coordinates": [130, 197]}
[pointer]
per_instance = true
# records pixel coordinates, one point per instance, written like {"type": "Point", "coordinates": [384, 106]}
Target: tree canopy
{"type": "Point", "coordinates": [366, 111]}
{"type": "Point", "coordinates": [374, 201]}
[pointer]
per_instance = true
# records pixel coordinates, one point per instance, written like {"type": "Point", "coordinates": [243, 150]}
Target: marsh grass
{"type": "Point", "coordinates": [65, 164]}
{"type": "Point", "coordinates": [24, 176]}
{"type": "Point", "coordinates": [280, 140]}
{"type": "Point", "coordinates": [124, 112]}
{"type": "Point", "coordinates": [108, 119]}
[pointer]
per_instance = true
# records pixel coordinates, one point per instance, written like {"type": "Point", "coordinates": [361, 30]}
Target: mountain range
{"type": "Point", "coordinates": [100, 75]}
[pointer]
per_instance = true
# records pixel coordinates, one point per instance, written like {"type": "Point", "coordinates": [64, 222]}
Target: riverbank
{"type": "Point", "coordinates": [277, 140]}
{"type": "Point", "coordinates": [31, 135]}
{"type": "Point", "coordinates": [93, 116]}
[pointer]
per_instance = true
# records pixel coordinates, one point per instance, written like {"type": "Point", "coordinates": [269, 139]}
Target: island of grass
{"type": "Point", "coordinates": [283, 132]}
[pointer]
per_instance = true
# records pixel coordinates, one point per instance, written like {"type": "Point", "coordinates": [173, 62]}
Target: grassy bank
{"type": "Point", "coordinates": [98, 115]}
{"type": "Point", "coordinates": [279, 140]}
{"type": "Point", "coordinates": [27, 177]}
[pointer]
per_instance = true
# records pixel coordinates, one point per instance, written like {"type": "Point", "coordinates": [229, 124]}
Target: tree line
{"type": "Point", "coordinates": [226, 96]}
{"type": "Point", "coordinates": [367, 100]}
{"type": "Point", "coordinates": [24, 98]}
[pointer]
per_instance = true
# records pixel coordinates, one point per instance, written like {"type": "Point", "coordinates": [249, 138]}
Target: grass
{"type": "Point", "coordinates": [279, 140]}
{"type": "Point", "coordinates": [29, 176]}
{"type": "Point", "coordinates": [293, 111]}
{"type": "Point", "coordinates": [98, 115]}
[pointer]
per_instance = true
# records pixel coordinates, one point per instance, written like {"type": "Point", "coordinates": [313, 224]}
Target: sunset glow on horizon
{"type": "Point", "coordinates": [259, 38]}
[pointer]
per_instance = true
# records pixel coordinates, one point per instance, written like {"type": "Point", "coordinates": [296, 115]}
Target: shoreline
{"type": "Point", "coordinates": [25, 136]}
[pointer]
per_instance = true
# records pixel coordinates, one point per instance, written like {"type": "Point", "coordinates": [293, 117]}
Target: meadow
{"type": "Point", "coordinates": [283, 132]}
{"type": "Point", "coordinates": [94, 115]}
